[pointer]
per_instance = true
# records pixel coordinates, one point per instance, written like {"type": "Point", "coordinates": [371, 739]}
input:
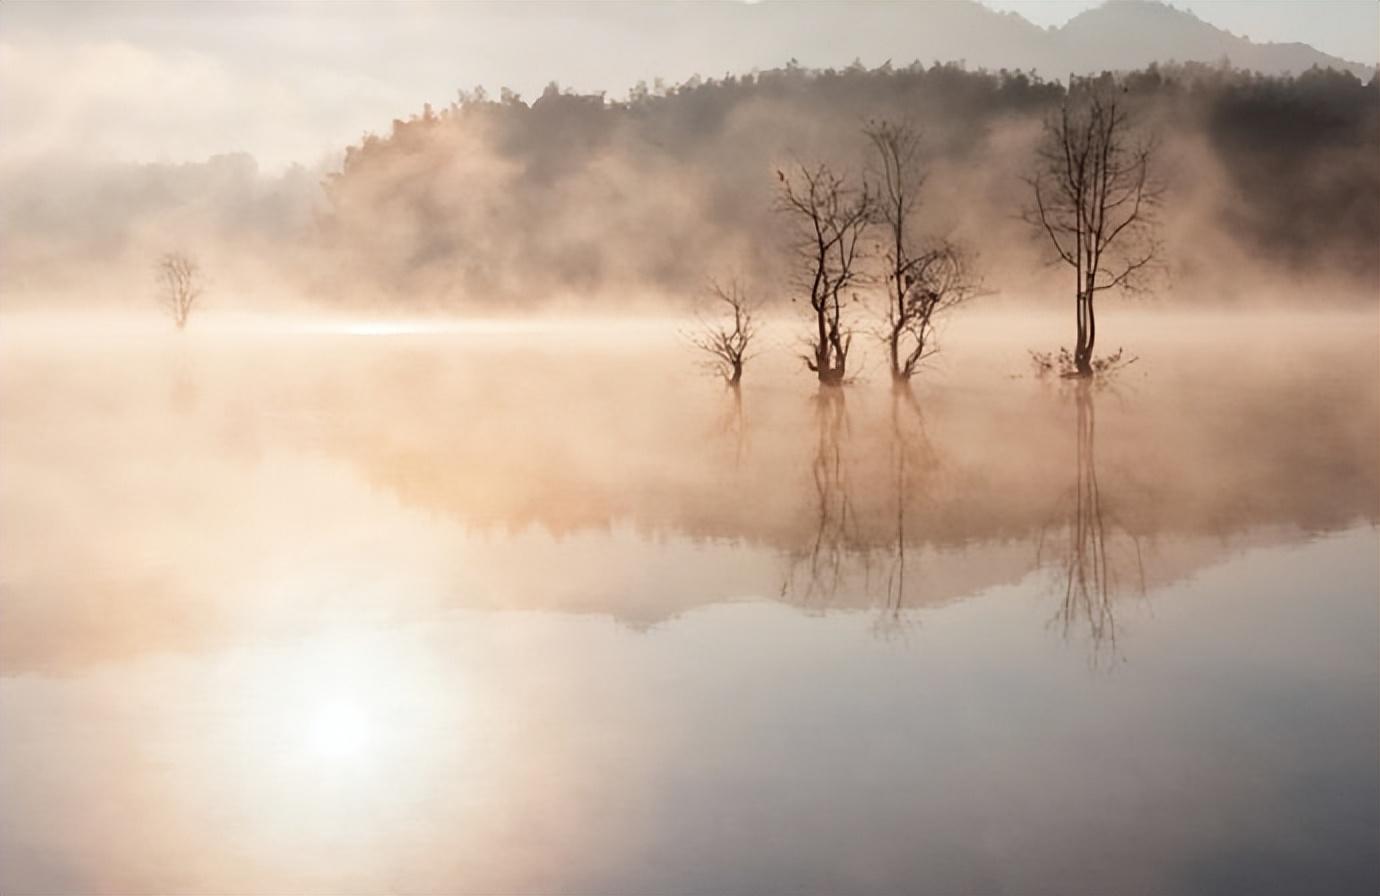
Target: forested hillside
{"type": "Point", "coordinates": [1272, 192]}
{"type": "Point", "coordinates": [498, 198]}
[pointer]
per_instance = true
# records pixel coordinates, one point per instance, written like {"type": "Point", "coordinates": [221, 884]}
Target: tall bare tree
{"type": "Point", "coordinates": [925, 279]}
{"type": "Point", "coordinates": [179, 285]}
{"type": "Point", "coordinates": [727, 341]}
{"type": "Point", "coordinates": [831, 218]}
{"type": "Point", "coordinates": [1095, 198]}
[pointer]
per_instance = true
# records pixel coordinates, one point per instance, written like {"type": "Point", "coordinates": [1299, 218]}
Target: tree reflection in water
{"type": "Point", "coordinates": [861, 543]}
{"type": "Point", "coordinates": [733, 425]}
{"type": "Point", "coordinates": [824, 560]}
{"type": "Point", "coordinates": [1099, 548]}
{"type": "Point", "coordinates": [913, 464]}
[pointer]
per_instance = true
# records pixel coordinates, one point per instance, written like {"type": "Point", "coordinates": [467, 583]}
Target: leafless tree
{"type": "Point", "coordinates": [727, 341]}
{"type": "Point", "coordinates": [831, 218]}
{"type": "Point", "coordinates": [924, 280]}
{"type": "Point", "coordinates": [179, 285]}
{"type": "Point", "coordinates": [1095, 198]}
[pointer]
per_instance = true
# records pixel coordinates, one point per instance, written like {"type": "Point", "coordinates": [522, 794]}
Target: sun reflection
{"type": "Point", "coordinates": [338, 730]}
{"type": "Point", "coordinates": [384, 328]}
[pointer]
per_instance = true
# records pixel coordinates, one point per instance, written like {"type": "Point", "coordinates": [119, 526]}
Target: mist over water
{"type": "Point", "coordinates": [689, 448]}
{"type": "Point", "coordinates": [376, 600]}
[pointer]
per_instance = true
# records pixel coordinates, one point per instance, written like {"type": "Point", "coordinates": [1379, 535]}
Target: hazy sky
{"type": "Point", "coordinates": [174, 82]}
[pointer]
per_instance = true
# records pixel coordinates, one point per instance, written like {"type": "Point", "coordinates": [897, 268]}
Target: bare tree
{"type": "Point", "coordinates": [1095, 199]}
{"type": "Point", "coordinates": [924, 280]}
{"type": "Point", "coordinates": [831, 219]}
{"type": "Point", "coordinates": [727, 341]}
{"type": "Point", "coordinates": [179, 285]}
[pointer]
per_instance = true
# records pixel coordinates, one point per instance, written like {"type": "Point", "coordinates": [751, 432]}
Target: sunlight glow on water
{"type": "Point", "coordinates": [385, 328]}
{"type": "Point", "coordinates": [550, 612]}
{"type": "Point", "coordinates": [339, 731]}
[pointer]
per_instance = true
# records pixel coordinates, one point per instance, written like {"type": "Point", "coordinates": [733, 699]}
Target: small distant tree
{"type": "Point", "coordinates": [179, 285]}
{"type": "Point", "coordinates": [924, 279]}
{"type": "Point", "coordinates": [726, 340]}
{"type": "Point", "coordinates": [1095, 198]}
{"type": "Point", "coordinates": [830, 219]}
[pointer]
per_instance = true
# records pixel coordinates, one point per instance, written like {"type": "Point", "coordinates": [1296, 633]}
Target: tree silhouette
{"type": "Point", "coordinates": [179, 285]}
{"type": "Point", "coordinates": [830, 219]}
{"type": "Point", "coordinates": [726, 342]}
{"type": "Point", "coordinates": [1094, 198]}
{"type": "Point", "coordinates": [924, 280]}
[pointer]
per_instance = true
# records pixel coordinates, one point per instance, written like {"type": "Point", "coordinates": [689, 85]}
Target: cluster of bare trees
{"type": "Point", "coordinates": [1094, 199]}
{"type": "Point", "coordinates": [922, 276]}
{"type": "Point", "coordinates": [830, 215]}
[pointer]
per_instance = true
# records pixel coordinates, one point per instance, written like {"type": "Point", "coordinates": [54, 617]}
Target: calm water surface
{"type": "Point", "coordinates": [537, 609]}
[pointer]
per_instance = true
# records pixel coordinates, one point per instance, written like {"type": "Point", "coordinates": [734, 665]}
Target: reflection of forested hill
{"type": "Point", "coordinates": [247, 488]}
{"type": "Point", "coordinates": [567, 445]}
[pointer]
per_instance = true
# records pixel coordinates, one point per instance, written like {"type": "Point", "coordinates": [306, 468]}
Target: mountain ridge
{"type": "Point", "coordinates": [1118, 35]}
{"type": "Point", "coordinates": [1092, 31]}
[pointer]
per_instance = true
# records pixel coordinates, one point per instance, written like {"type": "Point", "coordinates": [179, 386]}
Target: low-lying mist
{"type": "Point", "coordinates": [871, 479]}
{"type": "Point", "coordinates": [571, 201]}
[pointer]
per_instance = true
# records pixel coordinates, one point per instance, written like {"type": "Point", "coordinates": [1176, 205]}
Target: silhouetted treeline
{"type": "Point", "coordinates": [568, 194]}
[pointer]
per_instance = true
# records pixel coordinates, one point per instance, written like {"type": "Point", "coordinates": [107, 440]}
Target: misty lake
{"type": "Point", "coordinates": [525, 606]}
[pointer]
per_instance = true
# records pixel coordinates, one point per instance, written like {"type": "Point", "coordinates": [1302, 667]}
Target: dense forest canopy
{"type": "Point", "coordinates": [499, 201]}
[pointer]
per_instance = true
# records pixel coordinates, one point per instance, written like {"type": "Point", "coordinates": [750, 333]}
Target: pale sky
{"type": "Point", "coordinates": [298, 82]}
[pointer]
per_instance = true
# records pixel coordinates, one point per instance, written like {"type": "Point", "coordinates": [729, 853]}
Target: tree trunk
{"type": "Point", "coordinates": [1092, 337]}
{"type": "Point", "coordinates": [1087, 332]}
{"type": "Point", "coordinates": [830, 354]}
{"type": "Point", "coordinates": [821, 346]}
{"type": "Point", "coordinates": [894, 344]}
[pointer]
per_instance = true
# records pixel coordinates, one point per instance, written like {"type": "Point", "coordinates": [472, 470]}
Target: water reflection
{"type": "Point", "coordinates": [484, 616]}
{"type": "Point", "coordinates": [818, 569]}
{"type": "Point", "coordinates": [1092, 542]}
{"type": "Point", "coordinates": [733, 424]}
{"type": "Point", "coordinates": [915, 464]}
{"type": "Point", "coordinates": [313, 476]}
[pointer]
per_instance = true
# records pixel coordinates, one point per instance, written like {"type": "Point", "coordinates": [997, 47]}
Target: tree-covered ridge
{"type": "Point", "coordinates": [658, 190]}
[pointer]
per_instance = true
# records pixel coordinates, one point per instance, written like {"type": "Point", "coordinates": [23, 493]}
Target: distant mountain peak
{"type": "Point", "coordinates": [1125, 34]}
